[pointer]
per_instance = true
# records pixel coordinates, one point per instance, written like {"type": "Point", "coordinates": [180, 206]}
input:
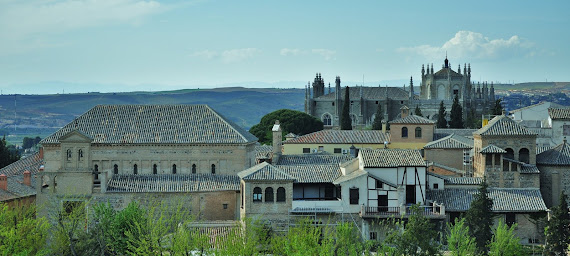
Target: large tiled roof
{"type": "Point", "coordinates": [391, 157]}
{"type": "Point", "coordinates": [312, 173]}
{"type": "Point", "coordinates": [138, 124]}
{"type": "Point", "coordinates": [264, 171]}
{"type": "Point", "coordinates": [463, 180]}
{"type": "Point", "coordinates": [559, 113]}
{"type": "Point", "coordinates": [313, 159]}
{"type": "Point", "coordinates": [503, 125]}
{"type": "Point", "coordinates": [559, 155]}
{"type": "Point", "coordinates": [173, 183]}
{"type": "Point", "coordinates": [31, 163]}
{"type": "Point", "coordinates": [412, 119]}
{"type": "Point", "coordinates": [504, 199]}
{"type": "Point", "coordinates": [263, 152]}
{"type": "Point", "coordinates": [444, 132]}
{"type": "Point", "coordinates": [17, 188]}
{"type": "Point", "coordinates": [492, 149]}
{"type": "Point", "coordinates": [371, 93]}
{"type": "Point", "coordinates": [341, 137]}
{"type": "Point", "coordinates": [452, 142]}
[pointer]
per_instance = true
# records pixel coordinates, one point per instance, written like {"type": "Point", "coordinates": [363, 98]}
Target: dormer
{"type": "Point", "coordinates": [75, 148]}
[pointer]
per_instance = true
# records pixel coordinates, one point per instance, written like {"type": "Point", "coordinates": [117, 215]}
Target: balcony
{"type": "Point", "coordinates": [433, 211]}
{"type": "Point", "coordinates": [322, 206]}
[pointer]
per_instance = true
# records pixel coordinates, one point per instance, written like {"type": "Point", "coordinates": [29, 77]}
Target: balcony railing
{"type": "Point", "coordinates": [403, 211]}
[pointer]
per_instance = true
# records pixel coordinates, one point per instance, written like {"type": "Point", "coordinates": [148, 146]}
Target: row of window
{"type": "Point", "coordinates": [405, 132]}
{"type": "Point", "coordinates": [258, 196]}
{"type": "Point", "coordinates": [154, 169]}
{"type": "Point", "coordinates": [69, 154]}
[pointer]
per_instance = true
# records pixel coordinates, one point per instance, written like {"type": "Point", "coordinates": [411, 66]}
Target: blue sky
{"type": "Point", "coordinates": [51, 46]}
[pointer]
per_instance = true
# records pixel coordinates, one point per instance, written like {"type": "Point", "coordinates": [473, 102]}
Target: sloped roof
{"type": "Point", "coordinates": [452, 142]}
{"type": "Point", "coordinates": [31, 163]}
{"type": "Point", "coordinates": [444, 132]}
{"type": "Point", "coordinates": [412, 119]}
{"type": "Point", "coordinates": [137, 124]}
{"type": "Point", "coordinates": [370, 93]}
{"type": "Point", "coordinates": [548, 103]}
{"type": "Point", "coordinates": [313, 159]}
{"type": "Point", "coordinates": [350, 176]}
{"type": "Point", "coordinates": [559, 113]}
{"type": "Point", "coordinates": [503, 125]}
{"type": "Point", "coordinates": [173, 183]}
{"type": "Point", "coordinates": [17, 188]}
{"type": "Point", "coordinates": [341, 137]}
{"type": "Point", "coordinates": [444, 72]}
{"type": "Point", "coordinates": [264, 171]}
{"type": "Point", "coordinates": [525, 168]}
{"type": "Point", "coordinates": [391, 157]}
{"type": "Point", "coordinates": [263, 152]}
{"type": "Point", "coordinates": [559, 155]}
{"type": "Point", "coordinates": [463, 180]}
{"type": "Point", "coordinates": [312, 173]}
{"type": "Point", "coordinates": [504, 199]}
{"type": "Point", "coordinates": [492, 149]}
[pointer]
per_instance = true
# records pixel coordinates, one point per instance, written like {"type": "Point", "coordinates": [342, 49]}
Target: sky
{"type": "Point", "coordinates": [59, 46]}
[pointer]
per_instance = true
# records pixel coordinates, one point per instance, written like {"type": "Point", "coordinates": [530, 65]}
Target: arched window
{"type": "Point", "coordinates": [115, 169]}
{"type": "Point", "coordinates": [213, 169]}
{"type": "Point", "coordinates": [154, 169]}
{"type": "Point", "coordinates": [281, 194]}
{"type": "Point", "coordinates": [418, 132]}
{"type": "Point", "coordinates": [404, 132]}
{"type": "Point", "coordinates": [69, 154]}
{"type": "Point", "coordinates": [135, 169]}
{"type": "Point", "coordinates": [524, 155]}
{"type": "Point", "coordinates": [80, 154]}
{"type": "Point", "coordinates": [193, 168]}
{"type": "Point", "coordinates": [269, 195]}
{"type": "Point", "coordinates": [173, 169]}
{"type": "Point", "coordinates": [510, 153]}
{"type": "Point", "coordinates": [96, 172]}
{"type": "Point", "coordinates": [327, 120]}
{"type": "Point", "coordinates": [257, 194]}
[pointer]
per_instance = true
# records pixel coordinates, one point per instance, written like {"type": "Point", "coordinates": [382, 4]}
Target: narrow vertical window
{"type": "Point", "coordinates": [418, 132]}
{"type": "Point", "coordinates": [69, 154]}
{"type": "Point", "coordinates": [80, 154]}
{"type": "Point", "coordinates": [193, 168]}
{"type": "Point", "coordinates": [404, 132]}
{"type": "Point", "coordinates": [257, 194]}
{"type": "Point", "coordinates": [269, 195]}
{"type": "Point", "coordinates": [96, 172]}
{"type": "Point", "coordinates": [281, 194]}
{"type": "Point", "coordinates": [354, 196]}
{"type": "Point", "coordinates": [115, 169]}
{"type": "Point", "coordinates": [154, 169]}
{"type": "Point", "coordinates": [135, 169]}
{"type": "Point", "coordinates": [173, 169]}
{"type": "Point", "coordinates": [213, 169]}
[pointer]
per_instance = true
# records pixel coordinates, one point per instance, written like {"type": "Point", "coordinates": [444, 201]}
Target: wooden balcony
{"type": "Point", "coordinates": [433, 211]}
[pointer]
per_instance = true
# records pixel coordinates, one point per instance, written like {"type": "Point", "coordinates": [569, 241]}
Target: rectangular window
{"type": "Point", "coordinates": [306, 150]}
{"type": "Point", "coordinates": [410, 194]}
{"type": "Point", "coordinates": [373, 236]}
{"type": "Point", "coordinates": [321, 148]}
{"type": "Point", "coordinates": [466, 157]}
{"type": "Point", "coordinates": [488, 159]}
{"type": "Point", "coordinates": [510, 219]}
{"type": "Point", "coordinates": [354, 196]}
{"type": "Point", "coordinates": [379, 184]}
{"type": "Point", "coordinates": [337, 150]}
{"type": "Point", "coordinates": [436, 186]}
{"type": "Point", "coordinates": [225, 206]}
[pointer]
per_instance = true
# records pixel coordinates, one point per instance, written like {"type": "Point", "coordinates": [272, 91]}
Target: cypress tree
{"type": "Point", "coordinates": [418, 111]}
{"type": "Point", "coordinates": [456, 115]}
{"type": "Point", "coordinates": [558, 229]}
{"type": "Point", "coordinates": [441, 122]}
{"type": "Point", "coordinates": [345, 121]}
{"type": "Point", "coordinates": [498, 108]}
{"type": "Point", "coordinates": [377, 124]}
{"type": "Point", "coordinates": [479, 218]}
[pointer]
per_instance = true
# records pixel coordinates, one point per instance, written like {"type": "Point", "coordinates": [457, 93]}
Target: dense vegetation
{"type": "Point", "coordinates": [8, 154]}
{"type": "Point", "coordinates": [293, 121]}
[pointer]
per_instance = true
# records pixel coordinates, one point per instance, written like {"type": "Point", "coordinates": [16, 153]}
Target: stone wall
{"type": "Point", "coordinates": [448, 157]}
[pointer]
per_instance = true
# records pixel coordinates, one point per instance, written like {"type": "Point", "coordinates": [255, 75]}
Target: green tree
{"type": "Point", "coordinates": [498, 107]}
{"type": "Point", "coordinates": [558, 229]}
{"type": "Point", "coordinates": [418, 111]}
{"type": "Point", "coordinates": [416, 237]}
{"type": "Point", "coordinates": [479, 218]}
{"type": "Point", "coordinates": [459, 241]}
{"type": "Point", "coordinates": [21, 233]}
{"type": "Point", "coordinates": [348, 240]}
{"type": "Point", "coordinates": [441, 122]}
{"type": "Point", "coordinates": [456, 115]}
{"type": "Point", "coordinates": [345, 120]}
{"type": "Point", "coordinates": [290, 120]}
{"type": "Point", "coordinates": [505, 242]}
{"type": "Point", "coordinates": [7, 155]}
{"type": "Point", "coordinates": [377, 124]}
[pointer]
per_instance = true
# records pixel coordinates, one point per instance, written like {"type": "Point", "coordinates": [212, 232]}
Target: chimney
{"type": "Point", "coordinates": [42, 153]}
{"type": "Point", "coordinates": [28, 178]}
{"type": "Point", "coordinates": [277, 141]}
{"type": "Point", "coordinates": [3, 182]}
{"type": "Point", "coordinates": [384, 126]}
{"type": "Point", "coordinates": [405, 111]}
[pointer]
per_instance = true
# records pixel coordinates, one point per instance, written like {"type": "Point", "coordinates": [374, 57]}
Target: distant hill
{"type": "Point", "coordinates": [554, 86]}
{"type": "Point", "coordinates": [43, 114]}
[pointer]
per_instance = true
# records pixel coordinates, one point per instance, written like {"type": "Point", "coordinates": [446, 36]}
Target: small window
{"type": "Point", "coordinates": [321, 148]}
{"type": "Point", "coordinates": [96, 172]}
{"type": "Point", "coordinates": [488, 159]}
{"type": "Point", "coordinates": [354, 196]}
{"type": "Point", "coordinates": [281, 194]}
{"type": "Point", "coordinates": [327, 120]}
{"type": "Point", "coordinates": [404, 132]}
{"type": "Point", "coordinates": [376, 102]}
{"type": "Point", "coordinates": [333, 103]}
{"type": "Point", "coordinates": [510, 219]}
{"type": "Point", "coordinates": [379, 184]}
{"type": "Point", "coordinates": [497, 159]}
{"type": "Point", "coordinates": [173, 169]}
{"type": "Point", "coordinates": [193, 168]}
{"type": "Point", "coordinates": [306, 150]}
{"type": "Point", "coordinates": [135, 169]}
{"type": "Point", "coordinates": [79, 154]}
{"type": "Point", "coordinates": [373, 236]}
{"type": "Point", "coordinates": [115, 169]}
{"type": "Point", "coordinates": [418, 132]}
{"type": "Point", "coordinates": [337, 150]}
{"type": "Point", "coordinates": [225, 206]}
{"type": "Point", "coordinates": [213, 169]}
{"type": "Point", "coordinates": [269, 195]}
{"type": "Point", "coordinates": [69, 154]}
{"type": "Point", "coordinates": [436, 186]}
{"type": "Point", "coordinates": [257, 194]}
{"type": "Point", "coordinates": [154, 169]}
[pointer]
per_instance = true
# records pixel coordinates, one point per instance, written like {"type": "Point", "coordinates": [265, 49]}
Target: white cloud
{"type": "Point", "coordinates": [294, 52]}
{"type": "Point", "coordinates": [468, 44]}
{"type": "Point", "coordinates": [326, 53]}
{"type": "Point", "coordinates": [228, 56]}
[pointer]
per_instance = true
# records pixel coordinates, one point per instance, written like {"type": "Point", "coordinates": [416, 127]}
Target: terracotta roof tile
{"type": "Point", "coordinates": [412, 119]}
{"type": "Point", "coordinates": [504, 199]}
{"type": "Point", "coordinates": [312, 173]}
{"type": "Point", "coordinates": [391, 157]}
{"type": "Point", "coordinates": [341, 137]}
{"type": "Point", "coordinates": [559, 113]}
{"type": "Point", "coordinates": [492, 149]}
{"type": "Point", "coordinates": [173, 183]}
{"type": "Point", "coordinates": [31, 163]}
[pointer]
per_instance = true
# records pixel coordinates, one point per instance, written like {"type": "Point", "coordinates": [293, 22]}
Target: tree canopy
{"type": "Point", "coordinates": [558, 229]}
{"type": "Point", "coordinates": [456, 116]}
{"type": "Point", "coordinates": [377, 124]}
{"type": "Point", "coordinates": [441, 122]}
{"type": "Point", "coordinates": [7, 155]}
{"type": "Point", "coordinates": [418, 111]}
{"type": "Point", "coordinates": [479, 218]}
{"type": "Point", "coordinates": [498, 108]}
{"type": "Point", "coordinates": [293, 121]}
{"type": "Point", "coordinates": [345, 120]}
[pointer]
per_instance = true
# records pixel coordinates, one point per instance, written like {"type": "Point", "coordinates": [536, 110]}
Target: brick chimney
{"type": "Point", "coordinates": [3, 182]}
{"type": "Point", "coordinates": [42, 153]}
{"type": "Point", "coordinates": [28, 178]}
{"type": "Point", "coordinates": [405, 111]}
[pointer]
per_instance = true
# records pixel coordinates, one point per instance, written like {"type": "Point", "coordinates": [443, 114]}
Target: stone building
{"type": "Point", "coordinates": [18, 180]}
{"type": "Point", "coordinates": [411, 131]}
{"type": "Point", "coordinates": [554, 166]}
{"type": "Point", "coordinates": [124, 153]}
{"type": "Point", "coordinates": [335, 141]}
{"type": "Point", "coordinates": [442, 85]}
{"type": "Point", "coordinates": [453, 151]}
